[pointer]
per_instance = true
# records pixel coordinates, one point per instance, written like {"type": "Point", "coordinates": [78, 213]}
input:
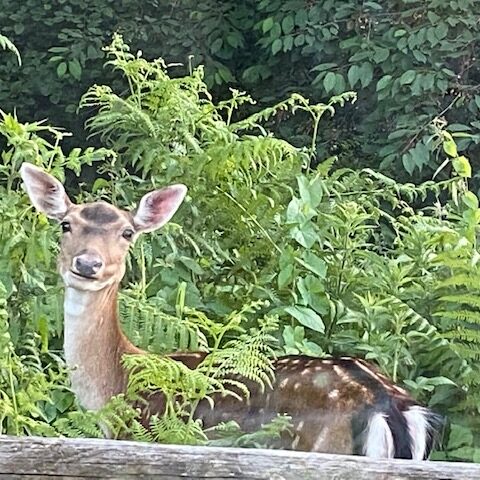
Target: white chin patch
{"type": "Point", "coordinates": [78, 283]}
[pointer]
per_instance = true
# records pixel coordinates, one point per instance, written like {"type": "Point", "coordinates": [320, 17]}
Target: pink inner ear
{"type": "Point", "coordinates": [46, 192]}
{"type": "Point", "coordinates": [158, 207]}
{"type": "Point", "coordinates": [160, 203]}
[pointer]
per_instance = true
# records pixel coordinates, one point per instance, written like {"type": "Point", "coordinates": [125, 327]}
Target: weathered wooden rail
{"type": "Point", "coordinates": [47, 458]}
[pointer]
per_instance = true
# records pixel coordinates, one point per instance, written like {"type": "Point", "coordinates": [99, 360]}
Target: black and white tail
{"type": "Point", "coordinates": [409, 433]}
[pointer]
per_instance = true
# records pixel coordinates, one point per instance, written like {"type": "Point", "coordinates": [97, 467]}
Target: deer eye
{"type": "Point", "coordinates": [66, 227]}
{"type": "Point", "coordinates": [128, 234]}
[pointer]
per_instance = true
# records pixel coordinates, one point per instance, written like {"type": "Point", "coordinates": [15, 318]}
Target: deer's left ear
{"type": "Point", "coordinates": [158, 207]}
{"type": "Point", "coordinates": [46, 192]}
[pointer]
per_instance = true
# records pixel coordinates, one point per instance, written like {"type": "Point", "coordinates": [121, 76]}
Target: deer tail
{"type": "Point", "coordinates": [424, 428]}
{"type": "Point", "coordinates": [411, 433]}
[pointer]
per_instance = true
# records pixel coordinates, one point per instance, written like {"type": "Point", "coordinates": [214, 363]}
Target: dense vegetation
{"type": "Point", "coordinates": [414, 64]}
{"type": "Point", "coordinates": [279, 247]}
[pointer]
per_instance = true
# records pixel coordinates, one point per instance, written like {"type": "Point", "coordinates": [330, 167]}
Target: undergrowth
{"type": "Point", "coordinates": [269, 255]}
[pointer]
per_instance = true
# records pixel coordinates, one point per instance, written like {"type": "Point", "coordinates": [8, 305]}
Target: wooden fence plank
{"type": "Point", "coordinates": [56, 458]}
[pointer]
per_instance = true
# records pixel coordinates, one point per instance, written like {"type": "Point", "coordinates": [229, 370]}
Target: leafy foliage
{"type": "Point", "coordinates": [6, 44]}
{"type": "Point", "coordinates": [413, 64]}
{"type": "Point", "coordinates": [273, 253]}
{"type": "Point", "coordinates": [411, 60]}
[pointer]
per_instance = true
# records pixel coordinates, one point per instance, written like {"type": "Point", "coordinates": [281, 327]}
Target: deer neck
{"type": "Point", "coordinates": [94, 345]}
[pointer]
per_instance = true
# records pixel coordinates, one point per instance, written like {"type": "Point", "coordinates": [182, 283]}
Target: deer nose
{"type": "Point", "coordinates": [87, 265]}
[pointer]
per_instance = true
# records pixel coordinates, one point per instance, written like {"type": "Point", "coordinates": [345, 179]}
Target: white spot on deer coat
{"type": "Point", "coordinates": [333, 394]}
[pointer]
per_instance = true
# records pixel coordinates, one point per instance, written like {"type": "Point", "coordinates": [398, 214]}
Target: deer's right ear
{"type": "Point", "coordinates": [46, 192]}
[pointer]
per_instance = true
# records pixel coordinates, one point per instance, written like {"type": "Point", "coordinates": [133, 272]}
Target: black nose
{"type": "Point", "coordinates": [87, 265]}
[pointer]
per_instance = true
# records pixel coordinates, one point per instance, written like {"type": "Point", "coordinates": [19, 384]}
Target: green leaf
{"type": "Point", "coordinates": [58, 49]}
{"type": "Point", "coordinates": [419, 56]}
{"type": "Point", "coordinates": [470, 200]}
{"type": "Point", "coordinates": [450, 148]}
{"type": "Point", "coordinates": [366, 74]}
{"type": "Point", "coordinates": [428, 81]}
{"type": "Point", "coordinates": [93, 53]}
{"type": "Point", "coordinates": [459, 436]}
{"type": "Point", "coordinates": [420, 155]}
{"type": "Point", "coordinates": [285, 276]}
{"type": "Point", "coordinates": [314, 263]}
{"type": "Point", "coordinates": [312, 291]}
{"type": "Point", "coordinates": [304, 188]}
{"type": "Point", "coordinates": [408, 162]}
{"type": "Point", "coordinates": [329, 82]}
{"type": "Point", "coordinates": [441, 31]}
{"type": "Point", "coordinates": [433, 17]}
{"type": "Point", "coordinates": [431, 37]}
{"type": "Point", "coordinates": [310, 190]}
{"type": "Point", "coordinates": [19, 28]}
{"type": "Point", "coordinates": [301, 18]}
{"type": "Point", "coordinates": [287, 24]}
{"type": "Point", "coordinates": [294, 210]}
{"type": "Point", "coordinates": [75, 69]}
{"type": "Point", "coordinates": [308, 286]}
{"type": "Point", "coordinates": [353, 75]}
{"type": "Point", "coordinates": [305, 235]}
{"type": "Point", "coordinates": [339, 83]}
{"type": "Point", "coordinates": [462, 167]}
{"type": "Point", "coordinates": [286, 258]}
{"type": "Point", "coordinates": [383, 82]}
{"type": "Point", "coordinates": [381, 54]}
{"type": "Point", "coordinates": [276, 46]}
{"type": "Point", "coordinates": [407, 77]}
{"type": "Point", "coordinates": [477, 101]}
{"type": "Point", "coordinates": [61, 69]}
{"type": "Point", "coordinates": [307, 317]}
{"type": "Point", "coordinates": [324, 66]}
{"type": "Point", "coordinates": [99, 184]}
{"type": "Point", "coordinates": [216, 45]}
{"type": "Point", "coordinates": [299, 40]}
{"type": "Point", "coordinates": [287, 43]}
{"type": "Point", "coordinates": [267, 24]}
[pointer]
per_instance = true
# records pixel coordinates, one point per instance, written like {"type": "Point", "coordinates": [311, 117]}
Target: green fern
{"type": "Point", "coordinates": [114, 420]}
{"type": "Point", "coordinates": [229, 434]}
{"type": "Point", "coordinates": [171, 428]}
{"type": "Point", "coordinates": [249, 355]}
{"type": "Point", "coordinates": [224, 371]}
{"type": "Point", "coordinates": [150, 327]}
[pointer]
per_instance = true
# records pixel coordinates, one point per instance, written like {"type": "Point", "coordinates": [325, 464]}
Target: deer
{"type": "Point", "coordinates": [337, 405]}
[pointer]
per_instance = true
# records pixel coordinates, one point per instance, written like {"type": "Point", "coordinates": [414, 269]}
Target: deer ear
{"type": "Point", "coordinates": [46, 192]}
{"type": "Point", "coordinates": [158, 207]}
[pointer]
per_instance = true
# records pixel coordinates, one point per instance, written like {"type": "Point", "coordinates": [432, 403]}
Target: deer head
{"type": "Point", "coordinates": [96, 236]}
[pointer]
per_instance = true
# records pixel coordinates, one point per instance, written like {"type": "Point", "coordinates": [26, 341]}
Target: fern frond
{"type": "Point", "coordinates": [465, 280]}
{"type": "Point", "coordinates": [467, 352]}
{"type": "Point", "coordinates": [139, 432]}
{"type": "Point", "coordinates": [172, 429]}
{"type": "Point", "coordinates": [460, 315]}
{"type": "Point", "coordinates": [467, 335]}
{"type": "Point", "coordinates": [249, 356]}
{"type": "Point", "coordinates": [229, 434]}
{"type": "Point", "coordinates": [463, 299]}
{"type": "Point", "coordinates": [149, 326]}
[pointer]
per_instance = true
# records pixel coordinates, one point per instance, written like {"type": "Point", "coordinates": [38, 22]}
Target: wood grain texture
{"type": "Point", "coordinates": [55, 458]}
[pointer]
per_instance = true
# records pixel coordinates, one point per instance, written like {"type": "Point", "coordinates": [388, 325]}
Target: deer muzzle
{"type": "Point", "coordinates": [87, 265]}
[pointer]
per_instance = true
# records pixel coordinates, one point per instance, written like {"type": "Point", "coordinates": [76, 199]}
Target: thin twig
{"type": "Point", "coordinates": [436, 117]}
